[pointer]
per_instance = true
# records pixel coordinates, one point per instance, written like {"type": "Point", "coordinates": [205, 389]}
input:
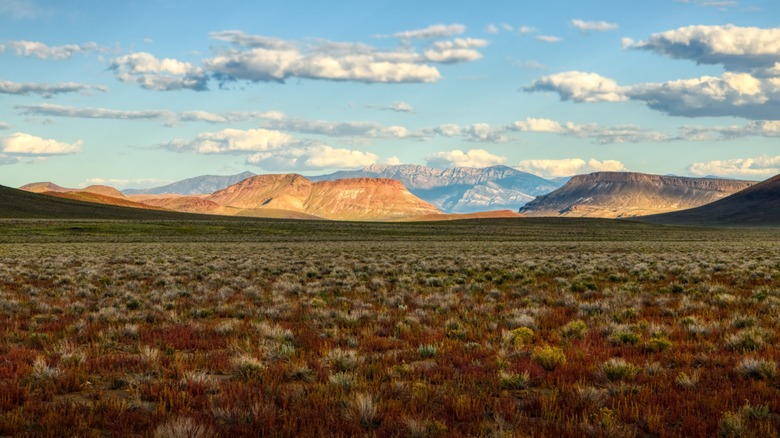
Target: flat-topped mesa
{"type": "Point", "coordinates": [627, 194]}
{"type": "Point", "coordinates": [345, 199]}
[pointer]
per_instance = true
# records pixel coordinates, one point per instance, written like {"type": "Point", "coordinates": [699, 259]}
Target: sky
{"type": "Point", "coordinates": [140, 93]}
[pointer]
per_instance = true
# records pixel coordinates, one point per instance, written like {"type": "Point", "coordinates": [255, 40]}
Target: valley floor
{"type": "Point", "coordinates": [529, 327]}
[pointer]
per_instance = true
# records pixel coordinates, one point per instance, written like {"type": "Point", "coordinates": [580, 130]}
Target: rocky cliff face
{"type": "Point", "coordinates": [346, 199]}
{"type": "Point", "coordinates": [460, 189]}
{"type": "Point", "coordinates": [627, 194]}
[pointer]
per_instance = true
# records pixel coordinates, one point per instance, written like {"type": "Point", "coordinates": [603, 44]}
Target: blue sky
{"type": "Point", "coordinates": [141, 93]}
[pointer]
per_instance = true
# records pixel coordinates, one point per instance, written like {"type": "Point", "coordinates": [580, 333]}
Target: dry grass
{"type": "Point", "coordinates": [391, 338]}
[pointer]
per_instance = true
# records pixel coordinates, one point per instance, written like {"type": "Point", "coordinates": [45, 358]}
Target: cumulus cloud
{"type": "Point", "coordinates": [732, 94]}
{"type": "Point", "coordinates": [458, 158]}
{"type": "Point", "coordinates": [750, 168]}
{"type": "Point", "coordinates": [548, 38]}
{"type": "Point", "coordinates": [477, 132]}
{"type": "Point", "coordinates": [736, 48]}
{"type": "Point", "coordinates": [525, 30]}
{"type": "Point", "coordinates": [569, 167]}
{"type": "Point", "coordinates": [491, 28]}
{"type": "Point", "coordinates": [232, 141]}
{"type": "Point", "coordinates": [600, 134]}
{"type": "Point", "coordinates": [401, 107]}
{"type": "Point", "coordinates": [165, 74]}
{"type": "Point", "coordinates": [40, 50]}
{"type": "Point", "coordinates": [593, 26]}
{"type": "Point", "coordinates": [47, 90]}
{"type": "Point", "coordinates": [315, 157]}
{"type": "Point", "coordinates": [243, 39]}
{"type": "Point", "coordinates": [580, 87]}
{"type": "Point", "coordinates": [433, 31]}
{"type": "Point", "coordinates": [457, 50]}
{"type": "Point", "coordinates": [357, 63]}
{"type": "Point", "coordinates": [21, 143]}
{"type": "Point", "coordinates": [761, 128]}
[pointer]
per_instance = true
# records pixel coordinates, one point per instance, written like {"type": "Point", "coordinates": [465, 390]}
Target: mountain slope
{"type": "Point", "coordinates": [15, 203]}
{"type": "Point", "coordinates": [198, 185]}
{"type": "Point", "coordinates": [755, 206]}
{"type": "Point", "coordinates": [459, 189]}
{"type": "Point", "coordinates": [40, 187]}
{"type": "Point", "coordinates": [348, 199]}
{"type": "Point", "coordinates": [627, 194]}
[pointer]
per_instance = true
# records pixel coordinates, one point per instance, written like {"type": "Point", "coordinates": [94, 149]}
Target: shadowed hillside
{"type": "Point", "coordinates": [756, 206]}
{"type": "Point", "coordinates": [16, 203]}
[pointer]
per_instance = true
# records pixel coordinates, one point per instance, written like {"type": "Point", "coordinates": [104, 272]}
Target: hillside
{"type": "Point", "coordinates": [17, 204]}
{"type": "Point", "coordinates": [755, 206]}
{"type": "Point", "coordinates": [459, 189]}
{"type": "Point", "coordinates": [628, 194]}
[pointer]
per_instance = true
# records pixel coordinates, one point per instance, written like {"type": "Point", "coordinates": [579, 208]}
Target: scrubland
{"type": "Point", "coordinates": [491, 329]}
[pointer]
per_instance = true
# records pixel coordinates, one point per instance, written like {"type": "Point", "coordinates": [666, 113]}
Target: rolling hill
{"type": "Point", "coordinates": [755, 206]}
{"type": "Point", "coordinates": [628, 194]}
{"type": "Point", "coordinates": [20, 204]}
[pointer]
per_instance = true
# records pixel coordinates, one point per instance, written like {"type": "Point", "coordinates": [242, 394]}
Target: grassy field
{"type": "Point", "coordinates": [530, 327]}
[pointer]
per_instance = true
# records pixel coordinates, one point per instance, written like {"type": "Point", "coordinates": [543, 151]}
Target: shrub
{"type": "Point", "coordinates": [618, 369]}
{"type": "Point", "coordinates": [513, 381]}
{"type": "Point", "coordinates": [759, 369]}
{"type": "Point", "coordinates": [574, 329]}
{"type": "Point", "coordinates": [548, 357]}
{"type": "Point", "coordinates": [427, 350]}
{"type": "Point", "coordinates": [658, 344]}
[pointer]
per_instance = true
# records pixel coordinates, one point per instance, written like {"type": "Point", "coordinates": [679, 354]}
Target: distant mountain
{"type": "Point", "coordinates": [628, 194]}
{"type": "Point", "coordinates": [198, 185]}
{"type": "Point", "coordinates": [40, 187]}
{"type": "Point", "coordinates": [459, 189]}
{"type": "Point", "coordinates": [755, 206]}
{"type": "Point", "coordinates": [344, 199]}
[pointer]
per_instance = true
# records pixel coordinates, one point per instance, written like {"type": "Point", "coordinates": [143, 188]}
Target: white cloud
{"type": "Point", "coordinates": [548, 38]}
{"type": "Point", "coordinates": [531, 124]}
{"type": "Point", "coordinates": [8, 159]}
{"type": "Point", "coordinates": [392, 161]}
{"type": "Point", "coordinates": [315, 157]}
{"type": "Point", "coordinates": [242, 39]}
{"type": "Point", "coordinates": [21, 143]}
{"type": "Point", "coordinates": [47, 90]}
{"type": "Point", "coordinates": [40, 50]}
{"type": "Point", "coordinates": [525, 30]}
{"type": "Point", "coordinates": [600, 134]}
{"type": "Point", "coordinates": [477, 132]}
{"type": "Point", "coordinates": [402, 107]}
{"type": "Point", "coordinates": [593, 26]}
{"type": "Point", "coordinates": [457, 50]}
{"type": "Point", "coordinates": [580, 87]}
{"type": "Point", "coordinates": [750, 168]}
{"type": "Point", "coordinates": [433, 31]}
{"type": "Point", "coordinates": [232, 141]}
{"type": "Point", "coordinates": [458, 158]}
{"type": "Point", "coordinates": [736, 48]}
{"type": "Point", "coordinates": [569, 167]}
{"type": "Point", "coordinates": [4, 125]}
{"type": "Point", "coordinates": [159, 74]}
{"type": "Point", "coordinates": [334, 62]}
{"type": "Point", "coordinates": [491, 28]}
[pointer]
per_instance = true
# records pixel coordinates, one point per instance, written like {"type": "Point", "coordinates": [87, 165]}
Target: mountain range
{"type": "Point", "coordinates": [454, 190]}
{"type": "Point", "coordinates": [459, 189]}
{"type": "Point", "coordinates": [629, 194]}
